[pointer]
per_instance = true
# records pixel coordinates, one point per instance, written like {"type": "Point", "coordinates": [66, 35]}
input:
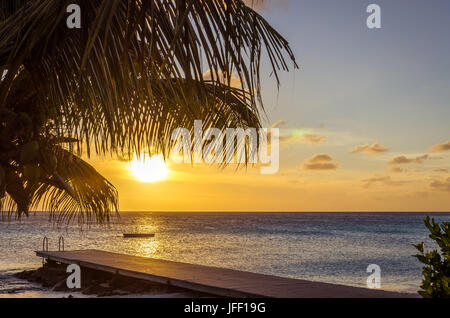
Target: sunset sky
{"type": "Point", "coordinates": [364, 122]}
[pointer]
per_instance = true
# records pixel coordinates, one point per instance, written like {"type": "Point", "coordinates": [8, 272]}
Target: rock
{"type": "Point", "coordinates": [25, 274]}
{"type": "Point", "coordinates": [134, 288]}
{"type": "Point", "coordinates": [53, 275]}
{"type": "Point", "coordinates": [96, 289]}
{"type": "Point", "coordinates": [118, 281]}
{"type": "Point", "coordinates": [113, 293]}
{"type": "Point", "coordinates": [60, 286]}
{"type": "Point", "coordinates": [55, 271]}
{"type": "Point", "coordinates": [50, 280]}
{"type": "Point", "coordinates": [36, 276]}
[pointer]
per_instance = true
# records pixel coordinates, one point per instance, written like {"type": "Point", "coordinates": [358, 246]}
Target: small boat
{"type": "Point", "coordinates": [138, 235]}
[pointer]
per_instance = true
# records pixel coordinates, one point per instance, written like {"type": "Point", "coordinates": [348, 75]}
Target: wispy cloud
{"type": "Point", "coordinates": [377, 179]}
{"type": "Point", "coordinates": [441, 185]}
{"type": "Point", "coordinates": [266, 4]}
{"type": "Point", "coordinates": [383, 180]}
{"type": "Point", "coordinates": [278, 124]}
{"type": "Point", "coordinates": [234, 80]}
{"type": "Point", "coordinates": [374, 149]}
{"type": "Point", "coordinates": [396, 169]}
{"type": "Point", "coordinates": [299, 135]}
{"type": "Point", "coordinates": [303, 138]}
{"type": "Point", "coordinates": [313, 139]}
{"type": "Point", "coordinates": [441, 170]}
{"type": "Point", "coordinates": [404, 160]}
{"type": "Point", "coordinates": [319, 162]}
{"type": "Point", "coordinates": [445, 146]}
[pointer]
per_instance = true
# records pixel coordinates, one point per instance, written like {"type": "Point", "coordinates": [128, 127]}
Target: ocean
{"type": "Point", "coordinates": [325, 247]}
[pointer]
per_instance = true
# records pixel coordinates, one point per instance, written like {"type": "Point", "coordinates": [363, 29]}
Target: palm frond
{"type": "Point", "coordinates": [70, 189]}
{"type": "Point", "coordinates": [129, 54]}
{"type": "Point", "coordinates": [8, 8]}
{"type": "Point", "coordinates": [121, 84]}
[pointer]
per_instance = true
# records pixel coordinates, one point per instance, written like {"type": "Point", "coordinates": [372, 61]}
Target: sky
{"type": "Point", "coordinates": [364, 122]}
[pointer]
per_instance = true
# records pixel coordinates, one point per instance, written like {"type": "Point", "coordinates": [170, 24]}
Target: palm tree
{"type": "Point", "coordinates": [119, 85]}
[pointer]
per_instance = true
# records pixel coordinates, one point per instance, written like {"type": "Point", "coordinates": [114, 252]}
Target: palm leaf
{"type": "Point", "coordinates": [71, 190]}
{"type": "Point", "coordinates": [75, 189]}
{"type": "Point", "coordinates": [121, 84]}
{"type": "Point", "coordinates": [131, 54]}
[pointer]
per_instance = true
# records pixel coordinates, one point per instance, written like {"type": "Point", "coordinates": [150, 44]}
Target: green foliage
{"type": "Point", "coordinates": [436, 272]}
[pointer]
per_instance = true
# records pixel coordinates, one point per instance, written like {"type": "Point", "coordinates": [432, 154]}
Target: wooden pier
{"type": "Point", "coordinates": [211, 280]}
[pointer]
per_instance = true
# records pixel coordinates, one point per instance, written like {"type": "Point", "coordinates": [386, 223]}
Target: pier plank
{"type": "Point", "coordinates": [212, 280]}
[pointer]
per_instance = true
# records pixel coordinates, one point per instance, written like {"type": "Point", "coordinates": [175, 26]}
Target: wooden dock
{"type": "Point", "coordinates": [211, 280]}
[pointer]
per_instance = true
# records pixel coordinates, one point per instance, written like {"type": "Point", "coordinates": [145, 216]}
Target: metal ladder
{"type": "Point", "coordinates": [45, 246]}
{"type": "Point", "coordinates": [61, 244]}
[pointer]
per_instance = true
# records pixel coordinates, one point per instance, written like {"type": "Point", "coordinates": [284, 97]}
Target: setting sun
{"type": "Point", "coordinates": [149, 169]}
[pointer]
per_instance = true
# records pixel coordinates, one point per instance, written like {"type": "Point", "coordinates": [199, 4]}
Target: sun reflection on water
{"type": "Point", "coordinates": [144, 246]}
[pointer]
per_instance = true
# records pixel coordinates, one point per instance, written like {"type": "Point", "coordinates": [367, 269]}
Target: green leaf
{"type": "Point", "coordinates": [436, 275]}
{"type": "Point", "coordinates": [420, 247]}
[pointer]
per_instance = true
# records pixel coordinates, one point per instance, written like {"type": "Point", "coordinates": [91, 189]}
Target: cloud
{"type": "Point", "coordinates": [220, 76]}
{"type": "Point", "coordinates": [404, 160]}
{"type": "Point", "coordinates": [441, 185]}
{"type": "Point", "coordinates": [373, 149]}
{"type": "Point", "coordinates": [396, 170]}
{"type": "Point", "coordinates": [440, 147]}
{"type": "Point", "coordinates": [383, 180]}
{"type": "Point", "coordinates": [319, 162]}
{"type": "Point", "coordinates": [442, 170]}
{"type": "Point", "coordinates": [299, 135]}
{"type": "Point", "coordinates": [263, 5]}
{"type": "Point", "coordinates": [313, 139]}
{"type": "Point", "coordinates": [320, 158]}
{"type": "Point", "coordinates": [278, 124]}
